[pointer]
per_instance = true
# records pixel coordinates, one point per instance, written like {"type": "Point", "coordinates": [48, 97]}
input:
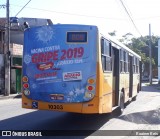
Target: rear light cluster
{"type": "Point", "coordinates": [25, 86]}
{"type": "Point", "coordinates": [25, 79]}
{"type": "Point", "coordinates": [90, 88]}
{"type": "Point", "coordinates": [91, 83]}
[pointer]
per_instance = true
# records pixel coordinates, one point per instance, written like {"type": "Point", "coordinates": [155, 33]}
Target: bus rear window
{"type": "Point", "coordinates": [77, 37]}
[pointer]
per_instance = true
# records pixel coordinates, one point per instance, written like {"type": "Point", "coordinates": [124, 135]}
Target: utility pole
{"type": "Point", "coordinates": [158, 61]}
{"type": "Point", "coordinates": [7, 53]}
{"type": "Point", "coordinates": [150, 56]}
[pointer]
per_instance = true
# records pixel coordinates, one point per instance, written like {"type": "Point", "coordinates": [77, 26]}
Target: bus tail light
{"type": "Point", "coordinates": [90, 88]}
{"type": "Point", "coordinates": [88, 95]}
{"type": "Point", "coordinates": [91, 81]}
{"type": "Point", "coordinates": [26, 92]}
{"type": "Point", "coordinates": [25, 85]}
{"type": "Point", "coordinates": [25, 79]}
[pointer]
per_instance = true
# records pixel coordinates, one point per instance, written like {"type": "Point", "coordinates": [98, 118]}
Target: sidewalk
{"type": "Point", "coordinates": [11, 96]}
{"type": "Point", "coordinates": [155, 87]}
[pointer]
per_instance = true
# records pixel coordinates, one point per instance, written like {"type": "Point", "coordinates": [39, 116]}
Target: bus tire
{"type": "Point", "coordinates": [138, 88]}
{"type": "Point", "coordinates": [134, 98]}
{"type": "Point", "coordinates": [121, 102]}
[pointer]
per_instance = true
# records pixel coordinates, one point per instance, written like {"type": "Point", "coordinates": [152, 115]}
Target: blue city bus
{"type": "Point", "coordinates": [74, 68]}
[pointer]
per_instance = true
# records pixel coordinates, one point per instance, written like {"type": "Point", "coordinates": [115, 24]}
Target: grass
{"type": "Point", "coordinates": [147, 84]}
{"type": "Point", "coordinates": [158, 87]}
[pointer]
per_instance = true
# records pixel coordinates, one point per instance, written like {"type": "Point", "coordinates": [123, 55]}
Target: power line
{"type": "Point", "coordinates": [23, 7]}
{"type": "Point", "coordinates": [144, 18]}
{"type": "Point", "coordinates": [72, 13]}
{"type": "Point", "coordinates": [130, 17]}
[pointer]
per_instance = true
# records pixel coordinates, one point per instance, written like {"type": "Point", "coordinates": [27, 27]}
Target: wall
{"type": "Point", "coordinates": [2, 75]}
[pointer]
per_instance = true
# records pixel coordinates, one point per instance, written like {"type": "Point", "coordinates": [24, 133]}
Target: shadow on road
{"type": "Point", "coordinates": [145, 117]}
{"type": "Point", "coordinates": [48, 120]}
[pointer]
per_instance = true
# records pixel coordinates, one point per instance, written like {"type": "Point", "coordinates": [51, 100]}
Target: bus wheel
{"type": "Point", "coordinates": [138, 88]}
{"type": "Point", "coordinates": [121, 104]}
{"type": "Point", "coordinates": [134, 98]}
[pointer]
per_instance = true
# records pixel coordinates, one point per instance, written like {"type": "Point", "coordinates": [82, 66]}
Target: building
{"type": "Point", "coordinates": [17, 27]}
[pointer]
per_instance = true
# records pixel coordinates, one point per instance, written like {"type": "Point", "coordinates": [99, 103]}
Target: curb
{"type": "Point", "coordinates": [12, 96]}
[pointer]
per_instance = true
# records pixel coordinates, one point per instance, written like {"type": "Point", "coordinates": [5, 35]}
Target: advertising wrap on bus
{"type": "Point", "coordinates": [59, 63]}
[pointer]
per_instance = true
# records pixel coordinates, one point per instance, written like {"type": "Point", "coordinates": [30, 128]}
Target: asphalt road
{"type": "Point", "coordinates": [142, 114]}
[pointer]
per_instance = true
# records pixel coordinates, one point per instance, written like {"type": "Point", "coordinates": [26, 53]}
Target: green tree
{"type": "Point", "coordinates": [112, 33]}
{"type": "Point", "coordinates": [140, 45]}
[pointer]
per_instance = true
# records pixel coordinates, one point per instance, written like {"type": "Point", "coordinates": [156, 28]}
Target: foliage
{"type": "Point", "coordinates": [112, 33]}
{"type": "Point", "coordinates": [141, 46]}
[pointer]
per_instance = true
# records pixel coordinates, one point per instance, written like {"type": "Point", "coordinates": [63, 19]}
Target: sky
{"type": "Point", "coordinates": [108, 15]}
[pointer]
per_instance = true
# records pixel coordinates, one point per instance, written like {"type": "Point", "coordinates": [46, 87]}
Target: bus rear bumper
{"type": "Point", "coordinates": [85, 107]}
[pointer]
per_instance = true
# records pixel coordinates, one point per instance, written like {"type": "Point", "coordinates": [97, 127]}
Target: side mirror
{"type": "Point", "coordinates": [26, 25]}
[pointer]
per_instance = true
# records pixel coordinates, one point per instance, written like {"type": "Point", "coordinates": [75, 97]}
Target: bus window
{"type": "Point", "coordinates": [124, 57]}
{"type": "Point", "coordinates": [121, 60]}
{"type": "Point", "coordinates": [106, 55]}
{"type": "Point", "coordinates": [126, 62]}
{"type": "Point", "coordinates": [134, 64]}
{"type": "Point", "coordinates": [137, 65]}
